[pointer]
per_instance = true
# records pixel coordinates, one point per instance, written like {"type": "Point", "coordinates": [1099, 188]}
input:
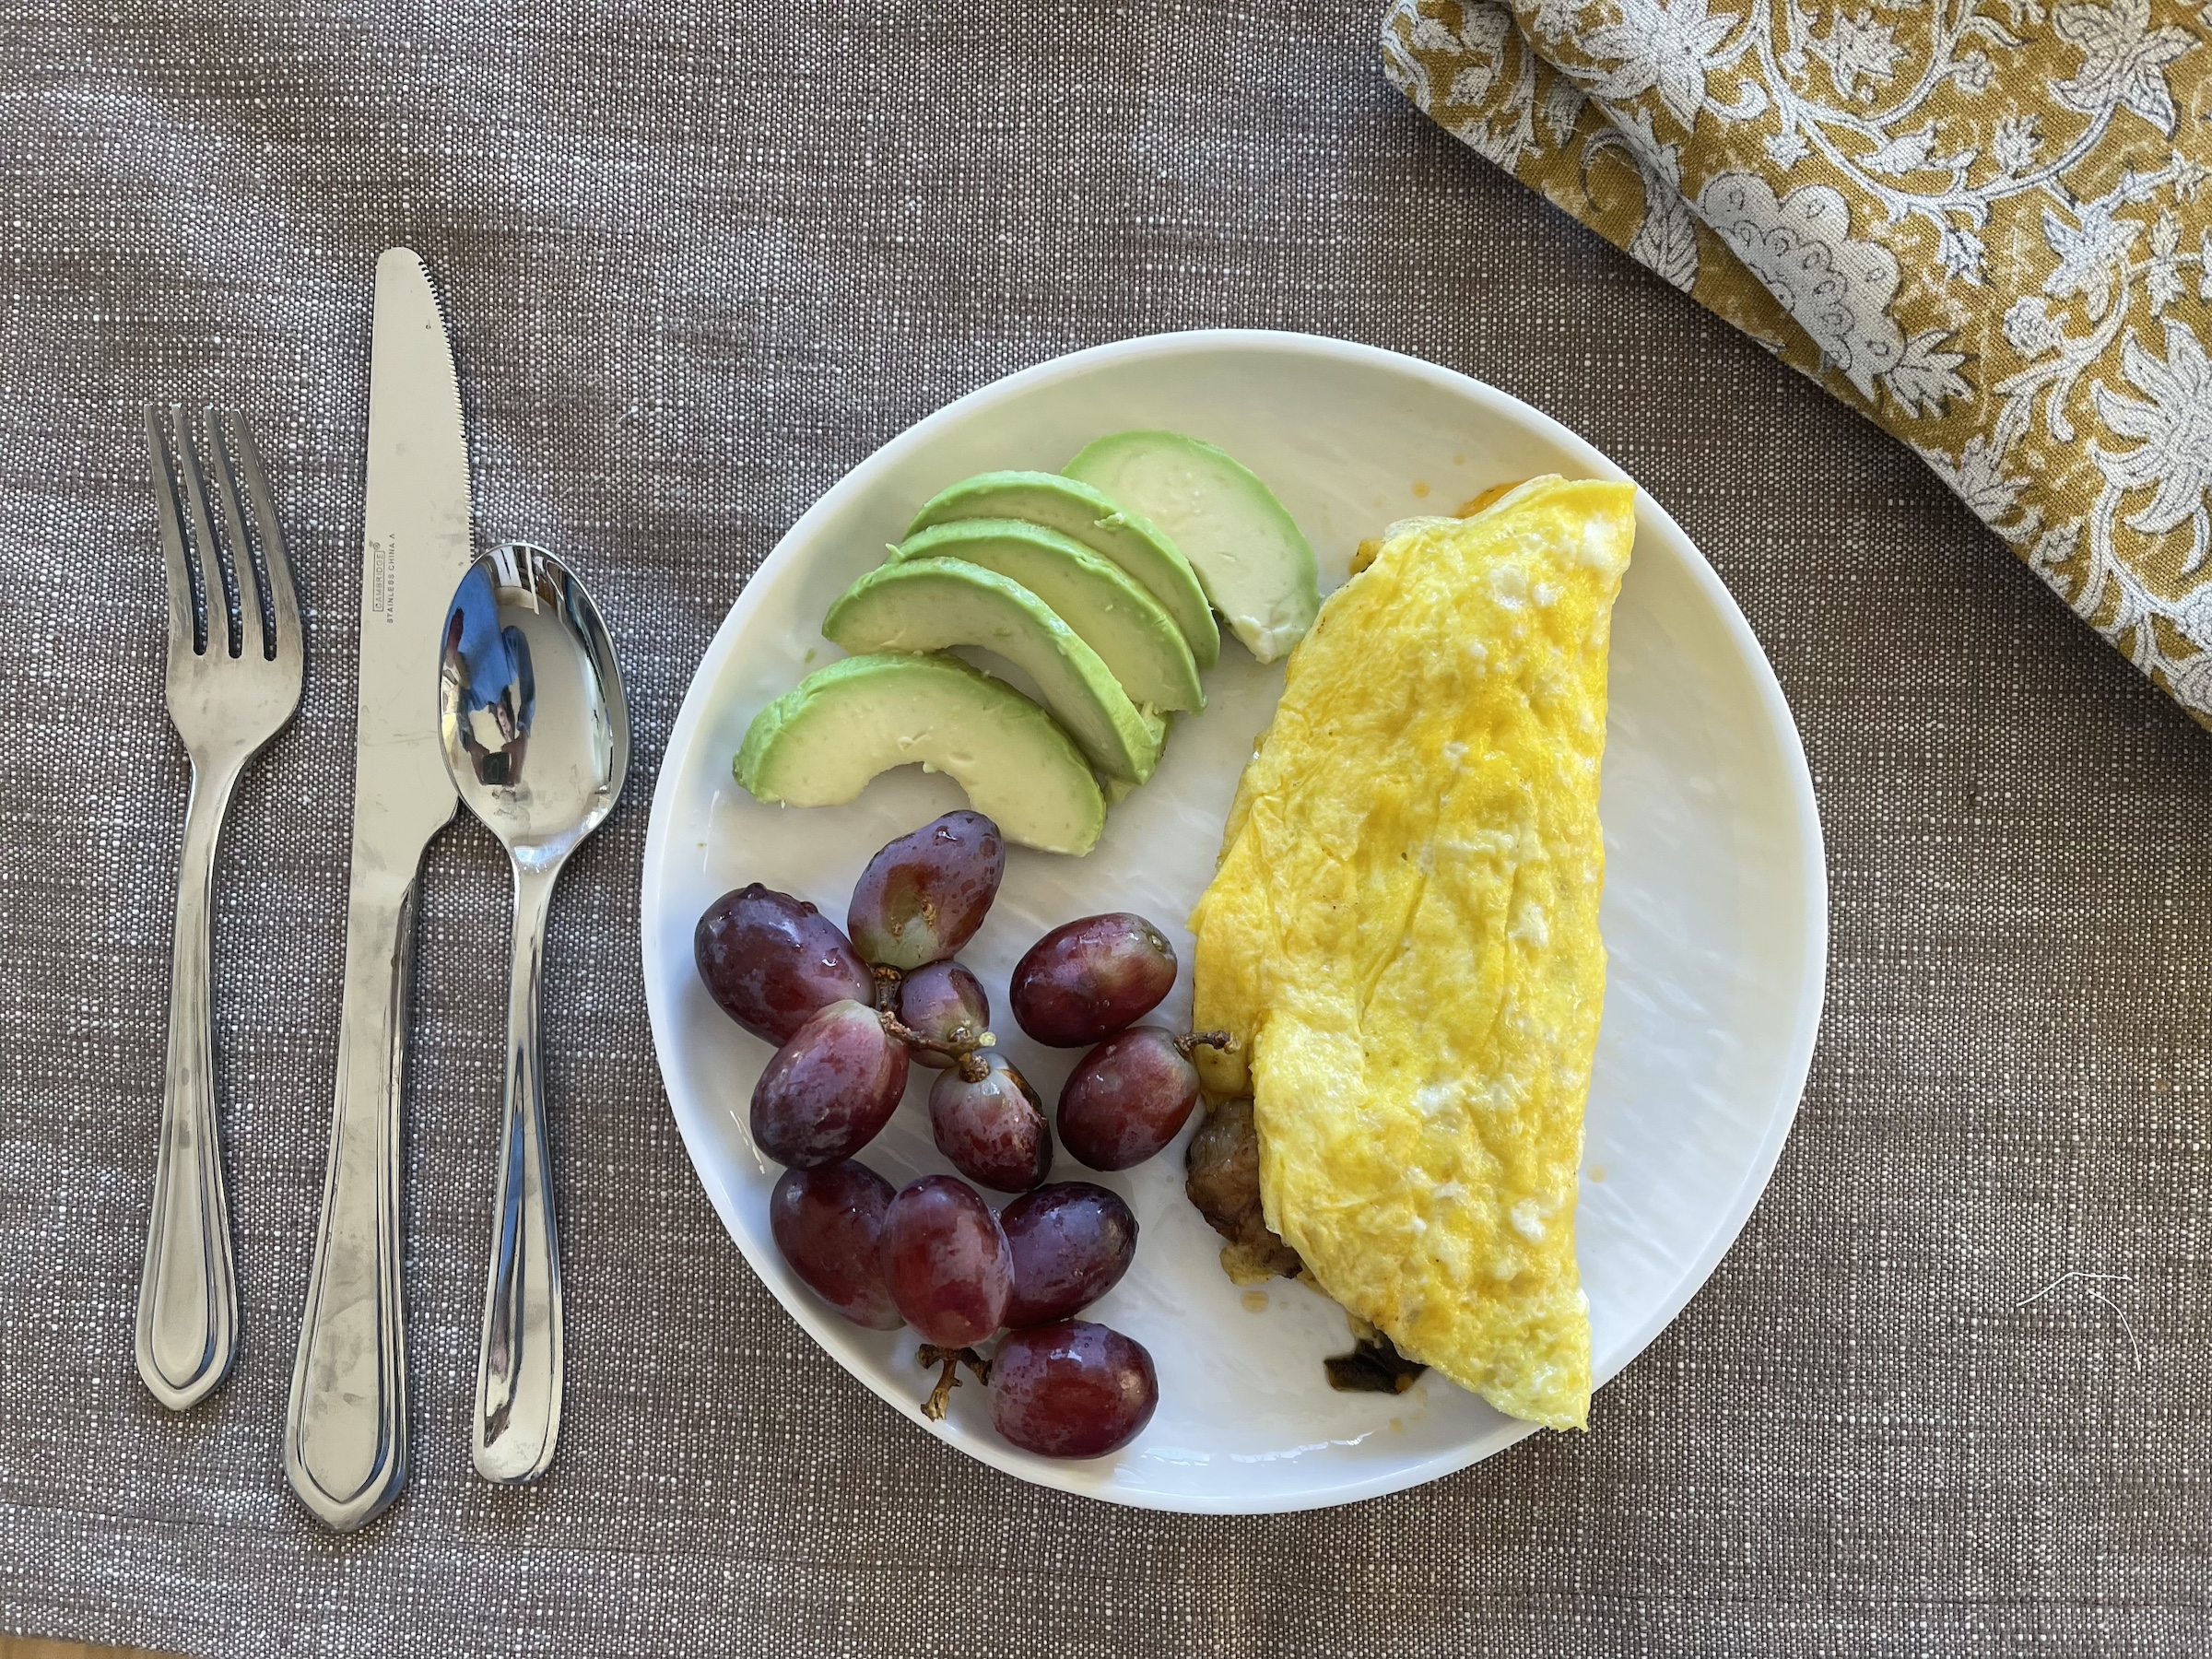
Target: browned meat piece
{"type": "Point", "coordinates": [1222, 1178]}
{"type": "Point", "coordinates": [1222, 1169]}
{"type": "Point", "coordinates": [1373, 1366]}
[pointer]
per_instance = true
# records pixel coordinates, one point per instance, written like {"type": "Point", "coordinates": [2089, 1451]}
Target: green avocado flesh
{"type": "Point", "coordinates": [1084, 515]}
{"type": "Point", "coordinates": [820, 743]}
{"type": "Point", "coordinates": [935, 604]}
{"type": "Point", "coordinates": [1254, 561]}
{"type": "Point", "coordinates": [1131, 633]}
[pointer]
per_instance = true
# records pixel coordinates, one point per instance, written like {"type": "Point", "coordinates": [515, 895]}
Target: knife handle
{"type": "Point", "coordinates": [346, 1429]}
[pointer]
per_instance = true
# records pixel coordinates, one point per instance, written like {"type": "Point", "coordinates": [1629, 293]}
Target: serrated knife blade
{"type": "Point", "coordinates": [346, 1430]}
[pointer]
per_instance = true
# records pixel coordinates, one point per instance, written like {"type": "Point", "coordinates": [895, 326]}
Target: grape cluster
{"type": "Point", "coordinates": [850, 1010]}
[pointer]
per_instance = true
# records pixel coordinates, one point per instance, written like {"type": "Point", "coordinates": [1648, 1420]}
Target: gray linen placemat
{"type": "Point", "coordinates": [702, 259]}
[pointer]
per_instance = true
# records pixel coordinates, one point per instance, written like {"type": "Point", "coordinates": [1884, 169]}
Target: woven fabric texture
{"type": "Point", "coordinates": [702, 259]}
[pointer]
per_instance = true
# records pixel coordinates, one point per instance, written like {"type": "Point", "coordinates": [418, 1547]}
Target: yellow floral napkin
{"type": "Point", "coordinates": [1985, 223]}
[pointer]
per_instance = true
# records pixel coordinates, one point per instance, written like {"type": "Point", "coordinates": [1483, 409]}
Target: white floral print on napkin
{"type": "Point", "coordinates": [1982, 222]}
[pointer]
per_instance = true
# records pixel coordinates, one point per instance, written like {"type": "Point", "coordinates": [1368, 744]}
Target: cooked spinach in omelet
{"type": "Point", "coordinates": [1402, 933]}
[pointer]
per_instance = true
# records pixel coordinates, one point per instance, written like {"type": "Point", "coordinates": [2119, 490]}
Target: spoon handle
{"type": "Point", "coordinates": [519, 1365]}
{"type": "Point", "coordinates": [188, 1291]}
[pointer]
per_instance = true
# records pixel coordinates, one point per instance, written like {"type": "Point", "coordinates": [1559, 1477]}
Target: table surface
{"type": "Point", "coordinates": [702, 259]}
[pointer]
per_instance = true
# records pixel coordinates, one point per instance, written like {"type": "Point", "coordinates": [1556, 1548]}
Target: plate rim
{"type": "Point", "coordinates": [1773, 706]}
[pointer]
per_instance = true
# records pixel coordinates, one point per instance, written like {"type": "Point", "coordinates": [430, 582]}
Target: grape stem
{"type": "Point", "coordinates": [972, 1066]}
{"type": "Point", "coordinates": [948, 1379]}
{"type": "Point", "coordinates": [888, 981]}
{"type": "Point", "coordinates": [1213, 1039]}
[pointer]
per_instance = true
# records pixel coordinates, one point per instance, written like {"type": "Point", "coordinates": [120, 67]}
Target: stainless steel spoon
{"type": "Point", "coordinates": [536, 737]}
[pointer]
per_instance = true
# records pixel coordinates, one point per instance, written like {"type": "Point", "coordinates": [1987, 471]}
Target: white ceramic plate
{"type": "Point", "coordinates": [1715, 908]}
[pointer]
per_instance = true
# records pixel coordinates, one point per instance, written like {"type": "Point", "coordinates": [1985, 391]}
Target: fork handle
{"type": "Point", "coordinates": [519, 1360]}
{"type": "Point", "coordinates": [188, 1290]}
{"type": "Point", "coordinates": [346, 1426]}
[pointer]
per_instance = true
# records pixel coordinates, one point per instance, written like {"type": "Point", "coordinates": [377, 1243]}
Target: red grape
{"type": "Point", "coordinates": [1072, 1241]}
{"type": "Point", "coordinates": [989, 1121]}
{"type": "Point", "coordinates": [944, 1002]}
{"type": "Point", "coordinates": [830, 1088]}
{"type": "Point", "coordinates": [923, 897]}
{"type": "Point", "coordinates": [1087, 979]}
{"type": "Point", "coordinates": [1127, 1097]}
{"type": "Point", "coordinates": [825, 1221]}
{"type": "Point", "coordinates": [1072, 1389]}
{"type": "Point", "coordinates": [945, 1263]}
{"type": "Point", "coordinates": [773, 961]}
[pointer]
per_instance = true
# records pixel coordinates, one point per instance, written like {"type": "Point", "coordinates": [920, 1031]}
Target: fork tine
{"type": "Point", "coordinates": [184, 620]}
{"type": "Point", "coordinates": [284, 600]}
{"type": "Point", "coordinates": [253, 630]}
{"type": "Point", "coordinates": [215, 574]}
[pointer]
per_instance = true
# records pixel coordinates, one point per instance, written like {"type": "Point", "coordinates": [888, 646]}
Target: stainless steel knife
{"type": "Point", "coordinates": [346, 1430]}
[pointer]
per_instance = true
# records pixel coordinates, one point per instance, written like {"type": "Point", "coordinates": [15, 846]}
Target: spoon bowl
{"type": "Point", "coordinates": [530, 705]}
{"type": "Point", "coordinates": [536, 737]}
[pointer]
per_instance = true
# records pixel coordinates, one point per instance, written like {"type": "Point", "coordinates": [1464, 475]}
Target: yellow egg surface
{"type": "Point", "coordinates": [1402, 933]}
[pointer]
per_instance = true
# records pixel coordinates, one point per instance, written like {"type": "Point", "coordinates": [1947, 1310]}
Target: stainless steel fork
{"type": "Point", "coordinates": [233, 681]}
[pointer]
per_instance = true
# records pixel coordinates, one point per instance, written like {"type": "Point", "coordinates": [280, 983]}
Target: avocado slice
{"type": "Point", "coordinates": [1133, 635]}
{"type": "Point", "coordinates": [930, 604]}
{"type": "Point", "coordinates": [820, 743]}
{"type": "Point", "coordinates": [1254, 561]}
{"type": "Point", "coordinates": [1086, 515]}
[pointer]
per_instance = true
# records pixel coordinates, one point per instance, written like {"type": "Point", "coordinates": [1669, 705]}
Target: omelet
{"type": "Point", "coordinates": [1403, 935]}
